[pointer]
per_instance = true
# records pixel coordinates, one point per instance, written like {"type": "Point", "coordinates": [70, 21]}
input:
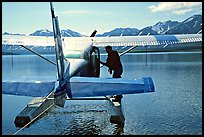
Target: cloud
{"type": "Point", "coordinates": [181, 12]}
{"type": "Point", "coordinates": [175, 7]}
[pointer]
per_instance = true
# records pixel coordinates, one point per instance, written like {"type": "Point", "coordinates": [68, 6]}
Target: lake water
{"type": "Point", "coordinates": [175, 108]}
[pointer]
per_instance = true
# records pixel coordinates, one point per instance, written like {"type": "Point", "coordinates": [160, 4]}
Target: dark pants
{"type": "Point", "coordinates": [117, 73]}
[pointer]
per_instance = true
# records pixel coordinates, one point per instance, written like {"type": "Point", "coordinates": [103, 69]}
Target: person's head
{"type": "Point", "coordinates": [108, 48]}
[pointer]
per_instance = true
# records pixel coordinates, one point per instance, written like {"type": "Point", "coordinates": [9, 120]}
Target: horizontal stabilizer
{"type": "Point", "coordinates": [33, 89]}
{"type": "Point", "coordinates": [91, 87]}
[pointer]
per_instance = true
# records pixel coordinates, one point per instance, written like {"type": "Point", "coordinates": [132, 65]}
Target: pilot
{"type": "Point", "coordinates": [114, 64]}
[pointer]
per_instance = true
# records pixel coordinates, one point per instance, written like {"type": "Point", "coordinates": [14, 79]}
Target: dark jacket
{"type": "Point", "coordinates": [113, 60]}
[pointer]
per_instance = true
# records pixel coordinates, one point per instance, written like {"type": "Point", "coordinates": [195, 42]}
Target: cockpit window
{"type": "Point", "coordinates": [76, 54]}
{"type": "Point", "coordinates": [73, 54]}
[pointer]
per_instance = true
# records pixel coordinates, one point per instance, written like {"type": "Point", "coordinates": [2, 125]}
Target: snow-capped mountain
{"type": "Point", "coordinates": [147, 31]}
{"type": "Point", "coordinates": [120, 32]}
{"type": "Point", "coordinates": [159, 28]}
{"type": "Point", "coordinates": [163, 27]}
{"type": "Point", "coordinates": [191, 25]}
{"type": "Point", "coordinates": [64, 33]}
{"type": "Point", "coordinates": [42, 32]}
{"type": "Point", "coordinates": [70, 33]}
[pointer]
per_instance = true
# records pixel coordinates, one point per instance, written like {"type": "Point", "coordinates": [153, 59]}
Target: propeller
{"type": "Point", "coordinates": [93, 34]}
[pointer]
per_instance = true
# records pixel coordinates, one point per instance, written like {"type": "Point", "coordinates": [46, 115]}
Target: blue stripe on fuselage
{"type": "Point", "coordinates": [162, 38]}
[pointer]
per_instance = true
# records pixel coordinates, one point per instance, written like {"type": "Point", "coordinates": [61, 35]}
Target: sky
{"type": "Point", "coordinates": [85, 17]}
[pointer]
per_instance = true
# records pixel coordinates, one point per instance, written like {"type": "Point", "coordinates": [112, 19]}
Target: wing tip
{"type": "Point", "coordinates": [149, 84]}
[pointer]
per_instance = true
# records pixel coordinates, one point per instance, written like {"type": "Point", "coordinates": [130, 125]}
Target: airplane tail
{"type": "Point", "coordinates": [62, 64]}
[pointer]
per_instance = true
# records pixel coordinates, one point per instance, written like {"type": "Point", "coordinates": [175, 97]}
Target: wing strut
{"type": "Point", "coordinates": [38, 54]}
{"type": "Point", "coordinates": [121, 54]}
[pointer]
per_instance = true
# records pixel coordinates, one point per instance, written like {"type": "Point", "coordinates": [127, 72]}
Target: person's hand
{"type": "Point", "coordinates": [110, 71]}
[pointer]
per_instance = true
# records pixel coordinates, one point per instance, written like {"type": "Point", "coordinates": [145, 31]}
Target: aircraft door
{"type": "Point", "coordinates": [95, 62]}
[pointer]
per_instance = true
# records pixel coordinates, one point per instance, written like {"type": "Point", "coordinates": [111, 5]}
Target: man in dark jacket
{"type": "Point", "coordinates": [114, 64]}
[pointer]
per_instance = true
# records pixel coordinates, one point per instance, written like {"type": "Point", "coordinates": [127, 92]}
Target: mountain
{"type": "Point", "coordinates": [162, 27]}
{"type": "Point", "coordinates": [120, 32]}
{"type": "Point", "coordinates": [70, 33]}
{"type": "Point", "coordinates": [147, 31]}
{"type": "Point", "coordinates": [159, 28]}
{"type": "Point", "coordinates": [42, 32]}
{"type": "Point", "coordinates": [191, 25]}
{"type": "Point", "coordinates": [64, 33]}
{"type": "Point", "coordinates": [6, 33]}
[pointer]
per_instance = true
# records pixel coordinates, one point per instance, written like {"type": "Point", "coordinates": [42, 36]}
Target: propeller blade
{"type": "Point", "coordinates": [93, 34]}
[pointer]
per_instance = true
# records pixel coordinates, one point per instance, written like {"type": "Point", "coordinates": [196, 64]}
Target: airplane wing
{"type": "Point", "coordinates": [153, 40]}
{"type": "Point", "coordinates": [92, 87]}
{"type": "Point", "coordinates": [34, 86]}
{"type": "Point", "coordinates": [27, 40]}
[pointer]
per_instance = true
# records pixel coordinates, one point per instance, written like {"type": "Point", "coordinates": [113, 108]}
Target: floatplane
{"type": "Point", "coordinates": [78, 70]}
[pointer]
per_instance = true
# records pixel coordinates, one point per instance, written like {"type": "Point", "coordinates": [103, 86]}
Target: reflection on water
{"type": "Point", "coordinates": [76, 118]}
{"type": "Point", "coordinates": [174, 108]}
